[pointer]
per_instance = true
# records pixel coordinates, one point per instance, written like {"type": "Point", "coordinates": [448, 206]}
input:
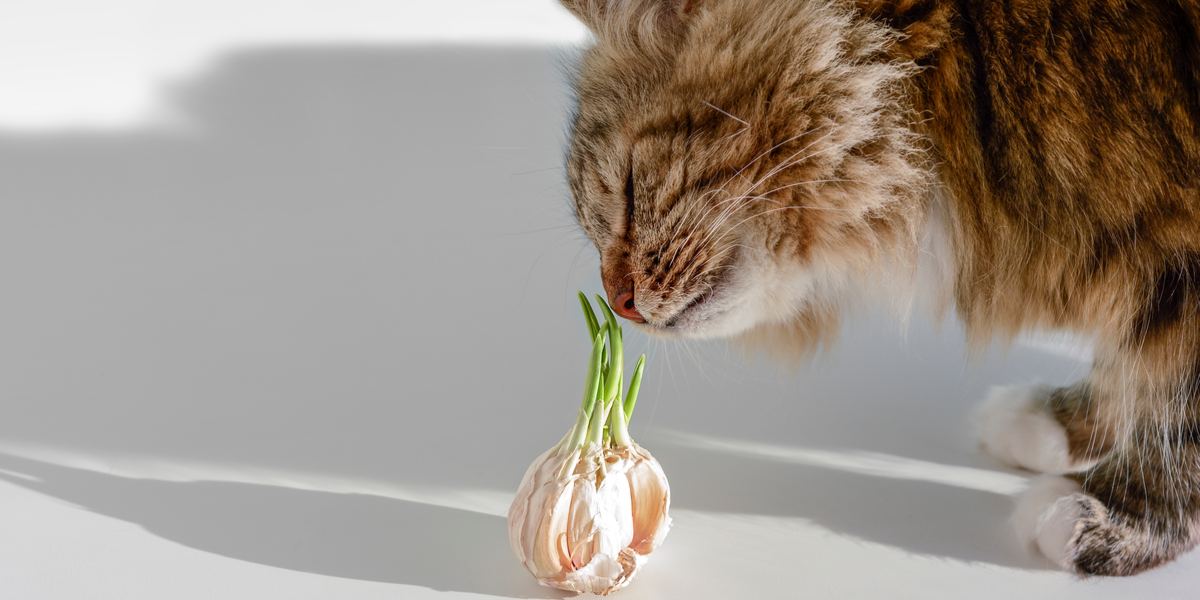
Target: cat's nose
{"type": "Point", "coordinates": [623, 305]}
{"type": "Point", "coordinates": [618, 278]}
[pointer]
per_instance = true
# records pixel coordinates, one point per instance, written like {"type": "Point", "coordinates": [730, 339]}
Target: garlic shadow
{"type": "Point", "coordinates": [356, 536]}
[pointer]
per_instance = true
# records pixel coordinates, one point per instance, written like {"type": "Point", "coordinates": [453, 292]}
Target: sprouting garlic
{"type": "Point", "coordinates": [590, 530]}
{"type": "Point", "coordinates": [590, 510]}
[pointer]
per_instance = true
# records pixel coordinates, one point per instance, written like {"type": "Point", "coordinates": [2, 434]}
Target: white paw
{"type": "Point", "coordinates": [1015, 428]}
{"type": "Point", "coordinates": [1046, 516]}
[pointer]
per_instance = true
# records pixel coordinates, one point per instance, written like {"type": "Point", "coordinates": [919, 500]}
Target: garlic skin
{"type": "Point", "coordinates": [586, 519]}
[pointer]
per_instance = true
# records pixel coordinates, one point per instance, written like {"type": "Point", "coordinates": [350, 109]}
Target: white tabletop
{"type": "Point", "coordinates": [289, 307]}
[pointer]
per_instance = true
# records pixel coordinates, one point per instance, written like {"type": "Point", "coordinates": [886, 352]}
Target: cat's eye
{"type": "Point", "coordinates": [629, 197]}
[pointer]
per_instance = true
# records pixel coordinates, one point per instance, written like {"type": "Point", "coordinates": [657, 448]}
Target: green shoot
{"type": "Point", "coordinates": [592, 388]}
{"type": "Point", "coordinates": [618, 425]}
{"type": "Point", "coordinates": [635, 384]}
{"type": "Point", "coordinates": [612, 384]}
{"type": "Point", "coordinates": [592, 324]}
{"type": "Point", "coordinates": [596, 427]}
{"type": "Point", "coordinates": [604, 415]}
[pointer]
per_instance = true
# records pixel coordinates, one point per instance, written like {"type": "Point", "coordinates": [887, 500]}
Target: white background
{"type": "Point", "coordinates": [288, 308]}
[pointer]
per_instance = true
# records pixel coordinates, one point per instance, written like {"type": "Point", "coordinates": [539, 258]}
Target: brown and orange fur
{"type": "Point", "coordinates": [743, 166]}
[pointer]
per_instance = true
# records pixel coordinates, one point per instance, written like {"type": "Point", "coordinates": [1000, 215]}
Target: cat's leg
{"type": "Point", "coordinates": [1139, 506]}
{"type": "Point", "coordinates": [1133, 511]}
{"type": "Point", "coordinates": [1043, 429]}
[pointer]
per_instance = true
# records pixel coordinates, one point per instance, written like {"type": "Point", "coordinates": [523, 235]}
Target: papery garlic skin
{"type": "Point", "coordinates": [586, 519]}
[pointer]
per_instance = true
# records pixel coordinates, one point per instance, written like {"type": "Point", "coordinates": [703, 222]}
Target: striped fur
{"type": "Point", "coordinates": [745, 166]}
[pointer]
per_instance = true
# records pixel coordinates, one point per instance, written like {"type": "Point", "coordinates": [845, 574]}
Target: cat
{"type": "Point", "coordinates": [744, 166]}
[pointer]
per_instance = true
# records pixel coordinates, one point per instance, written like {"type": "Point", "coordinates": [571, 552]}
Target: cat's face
{"type": "Point", "coordinates": [731, 161]}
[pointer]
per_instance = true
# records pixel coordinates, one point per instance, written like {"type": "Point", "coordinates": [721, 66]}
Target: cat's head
{"type": "Point", "coordinates": [733, 160]}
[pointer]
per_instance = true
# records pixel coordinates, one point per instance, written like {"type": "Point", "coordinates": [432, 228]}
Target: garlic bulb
{"type": "Point", "coordinates": [590, 510]}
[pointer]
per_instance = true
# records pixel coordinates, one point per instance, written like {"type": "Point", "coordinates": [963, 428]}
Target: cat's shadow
{"type": "Point", "coordinates": [922, 517]}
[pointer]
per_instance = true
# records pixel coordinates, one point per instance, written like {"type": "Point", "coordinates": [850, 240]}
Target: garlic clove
{"type": "Point", "coordinates": [538, 515]}
{"type": "Point", "coordinates": [547, 551]}
{"type": "Point", "coordinates": [613, 507]}
{"type": "Point", "coordinates": [651, 500]}
{"type": "Point", "coordinates": [519, 509]}
{"type": "Point", "coordinates": [581, 534]}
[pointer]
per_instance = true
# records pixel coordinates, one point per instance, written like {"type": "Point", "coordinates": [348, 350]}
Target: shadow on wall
{"type": "Point", "coordinates": [329, 269]}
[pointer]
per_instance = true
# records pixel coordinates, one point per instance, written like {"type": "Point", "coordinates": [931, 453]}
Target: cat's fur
{"type": "Point", "coordinates": [742, 164]}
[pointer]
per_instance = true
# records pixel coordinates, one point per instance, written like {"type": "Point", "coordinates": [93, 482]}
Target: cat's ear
{"type": "Point", "coordinates": [603, 16]}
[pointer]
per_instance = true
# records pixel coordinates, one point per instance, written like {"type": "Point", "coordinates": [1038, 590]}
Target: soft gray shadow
{"type": "Point", "coordinates": [920, 517]}
{"type": "Point", "coordinates": [333, 267]}
{"type": "Point", "coordinates": [356, 536]}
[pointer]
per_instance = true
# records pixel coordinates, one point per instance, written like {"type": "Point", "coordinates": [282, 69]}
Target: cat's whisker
{"type": "Point", "coordinates": [810, 182]}
{"type": "Point", "coordinates": [698, 221]}
{"type": "Point", "coordinates": [728, 211]}
{"type": "Point", "coordinates": [694, 226]}
{"type": "Point", "coordinates": [700, 201]}
{"type": "Point", "coordinates": [782, 208]}
{"type": "Point", "coordinates": [765, 196]}
{"type": "Point", "coordinates": [792, 161]}
{"type": "Point", "coordinates": [720, 254]}
{"type": "Point", "coordinates": [787, 162]}
{"type": "Point", "coordinates": [726, 113]}
{"type": "Point", "coordinates": [726, 214]}
{"type": "Point", "coordinates": [768, 151]}
{"type": "Point", "coordinates": [688, 214]}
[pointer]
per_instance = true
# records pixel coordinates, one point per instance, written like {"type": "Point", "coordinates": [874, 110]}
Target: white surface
{"type": "Point", "coordinates": [305, 348]}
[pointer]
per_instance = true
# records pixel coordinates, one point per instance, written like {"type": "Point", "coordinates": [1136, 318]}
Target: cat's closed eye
{"type": "Point", "coordinates": [629, 199]}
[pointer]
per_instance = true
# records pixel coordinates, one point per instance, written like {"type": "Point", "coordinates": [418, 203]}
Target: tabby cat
{"type": "Point", "coordinates": [745, 166]}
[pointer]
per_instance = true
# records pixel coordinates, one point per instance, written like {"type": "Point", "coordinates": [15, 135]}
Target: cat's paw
{"type": "Point", "coordinates": [1016, 427]}
{"type": "Point", "coordinates": [1074, 529]}
{"type": "Point", "coordinates": [1047, 515]}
